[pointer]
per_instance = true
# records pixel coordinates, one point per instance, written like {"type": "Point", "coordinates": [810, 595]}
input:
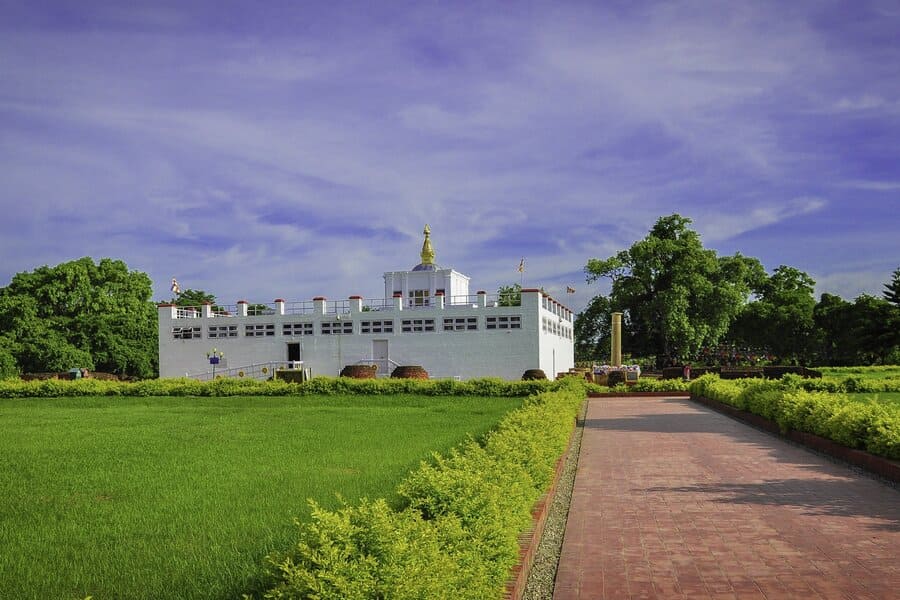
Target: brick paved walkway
{"type": "Point", "coordinates": [673, 500]}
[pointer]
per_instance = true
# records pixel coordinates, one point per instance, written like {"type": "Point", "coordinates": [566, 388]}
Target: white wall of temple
{"type": "Point", "coordinates": [504, 343]}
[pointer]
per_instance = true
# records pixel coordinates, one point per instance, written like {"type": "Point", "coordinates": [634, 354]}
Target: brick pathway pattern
{"type": "Point", "coordinates": [674, 500]}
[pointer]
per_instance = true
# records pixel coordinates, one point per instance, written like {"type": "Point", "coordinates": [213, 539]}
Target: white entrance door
{"type": "Point", "coordinates": [380, 356]}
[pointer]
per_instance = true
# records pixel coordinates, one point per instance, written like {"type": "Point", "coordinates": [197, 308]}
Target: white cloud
{"type": "Point", "coordinates": [728, 222]}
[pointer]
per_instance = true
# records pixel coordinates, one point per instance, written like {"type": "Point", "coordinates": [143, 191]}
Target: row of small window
{"type": "Point", "coordinates": [346, 327]}
{"type": "Point", "coordinates": [551, 326]}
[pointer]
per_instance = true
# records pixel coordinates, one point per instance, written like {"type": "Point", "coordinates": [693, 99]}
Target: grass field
{"type": "Point", "coordinates": [891, 399]}
{"type": "Point", "coordinates": [183, 497]}
{"type": "Point", "coordinates": [888, 372]}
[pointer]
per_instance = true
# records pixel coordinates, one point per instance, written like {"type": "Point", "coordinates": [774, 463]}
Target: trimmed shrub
{"type": "Point", "coordinates": [489, 386]}
{"type": "Point", "coordinates": [779, 371]}
{"type": "Point", "coordinates": [741, 373]}
{"type": "Point", "coordinates": [455, 532]}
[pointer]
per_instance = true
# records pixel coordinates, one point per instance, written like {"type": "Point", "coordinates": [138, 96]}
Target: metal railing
{"type": "Point", "coordinates": [258, 371]}
{"type": "Point", "coordinates": [305, 307]}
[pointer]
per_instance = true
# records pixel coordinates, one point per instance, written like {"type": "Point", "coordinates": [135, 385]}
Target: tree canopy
{"type": "Point", "coordinates": [80, 314]}
{"type": "Point", "coordinates": [892, 289]}
{"type": "Point", "coordinates": [781, 318]}
{"type": "Point", "coordinates": [676, 295]}
{"type": "Point", "coordinates": [509, 295]}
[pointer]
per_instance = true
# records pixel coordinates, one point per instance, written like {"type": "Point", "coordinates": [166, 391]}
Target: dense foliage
{"type": "Point", "coordinates": [873, 426]}
{"type": "Point", "coordinates": [509, 295]}
{"type": "Point", "coordinates": [455, 531]}
{"type": "Point", "coordinates": [682, 303]}
{"type": "Point", "coordinates": [79, 315]}
{"type": "Point", "coordinates": [675, 295]}
{"type": "Point", "coordinates": [488, 386]}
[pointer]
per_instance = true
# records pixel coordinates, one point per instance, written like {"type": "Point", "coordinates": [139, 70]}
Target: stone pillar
{"type": "Point", "coordinates": [355, 305]}
{"type": "Point", "coordinates": [439, 300]}
{"type": "Point", "coordinates": [319, 305]}
{"type": "Point", "coordinates": [616, 350]}
{"type": "Point", "coordinates": [242, 308]}
{"type": "Point", "coordinates": [279, 306]}
{"type": "Point", "coordinates": [398, 300]}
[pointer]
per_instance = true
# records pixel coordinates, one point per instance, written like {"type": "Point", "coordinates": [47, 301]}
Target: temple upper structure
{"type": "Point", "coordinates": [420, 285]}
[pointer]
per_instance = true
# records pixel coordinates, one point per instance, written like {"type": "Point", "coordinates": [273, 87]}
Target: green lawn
{"type": "Point", "coordinates": [891, 399]}
{"type": "Point", "coordinates": [879, 372]}
{"type": "Point", "coordinates": [183, 497]}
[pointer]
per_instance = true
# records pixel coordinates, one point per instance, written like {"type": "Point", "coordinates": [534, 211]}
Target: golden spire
{"type": "Point", "coordinates": [427, 248]}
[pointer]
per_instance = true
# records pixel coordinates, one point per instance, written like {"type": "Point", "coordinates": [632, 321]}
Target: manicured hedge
{"type": "Point", "coordinates": [869, 426]}
{"type": "Point", "coordinates": [850, 384]}
{"type": "Point", "coordinates": [455, 531]}
{"type": "Point", "coordinates": [644, 384]}
{"type": "Point", "coordinates": [14, 388]}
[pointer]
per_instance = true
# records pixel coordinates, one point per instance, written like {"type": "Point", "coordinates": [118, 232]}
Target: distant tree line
{"type": "Point", "coordinates": [682, 302]}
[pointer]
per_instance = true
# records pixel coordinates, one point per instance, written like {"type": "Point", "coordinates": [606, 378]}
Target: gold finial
{"type": "Point", "coordinates": [427, 248]}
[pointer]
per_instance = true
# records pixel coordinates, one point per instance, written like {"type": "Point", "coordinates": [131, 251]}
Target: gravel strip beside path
{"type": "Point", "coordinates": [546, 560]}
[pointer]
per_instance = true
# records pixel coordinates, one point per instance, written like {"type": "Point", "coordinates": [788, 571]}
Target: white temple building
{"type": "Point", "coordinates": [427, 317]}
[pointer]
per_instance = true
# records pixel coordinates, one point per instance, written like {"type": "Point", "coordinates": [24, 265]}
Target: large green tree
{"type": "Point", "coordinates": [676, 295]}
{"type": "Point", "coordinates": [876, 326]}
{"type": "Point", "coordinates": [191, 297]}
{"type": "Point", "coordinates": [509, 295]}
{"type": "Point", "coordinates": [780, 319]}
{"type": "Point", "coordinates": [836, 342]}
{"type": "Point", "coordinates": [81, 314]}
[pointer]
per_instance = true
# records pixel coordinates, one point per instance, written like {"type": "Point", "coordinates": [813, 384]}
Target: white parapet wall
{"type": "Point", "coordinates": [450, 336]}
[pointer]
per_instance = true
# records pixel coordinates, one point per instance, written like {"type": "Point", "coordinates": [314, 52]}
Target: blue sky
{"type": "Point", "coordinates": [292, 149]}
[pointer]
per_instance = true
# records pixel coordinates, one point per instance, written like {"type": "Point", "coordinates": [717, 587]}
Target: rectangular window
{"type": "Point", "coordinates": [504, 322]}
{"type": "Point", "coordinates": [263, 330]}
{"type": "Point", "coordinates": [377, 326]}
{"type": "Point", "coordinates": [337, 327]}
{"type": "Point", "coordinates": [290, 329]}
{"type": "Point", "coordinates": [461, 324]}
{"type": "Point", "coordinates": [222, 331]}
{"type": "Point", "coordinates": [186, 333]}
{"type": "Point", "coordinates": [417, 325]}
{"type": "Point", "coordinates": [419, 298]}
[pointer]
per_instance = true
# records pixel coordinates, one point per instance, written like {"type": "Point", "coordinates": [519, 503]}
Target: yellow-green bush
{"type": "Point", "coordinates": [15, 388]}
{"type": "Point", "coordinates": [455, 532]}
